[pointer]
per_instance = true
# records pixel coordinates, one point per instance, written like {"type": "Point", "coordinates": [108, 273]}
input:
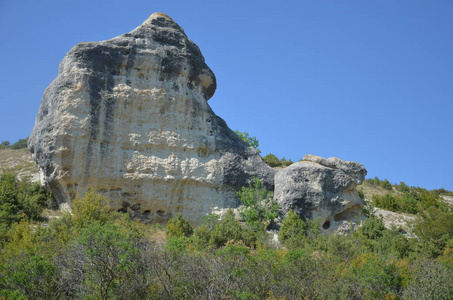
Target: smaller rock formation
{"type": "Point", "coordinates": [321, 188]}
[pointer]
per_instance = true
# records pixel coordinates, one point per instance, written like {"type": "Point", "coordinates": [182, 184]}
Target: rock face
{"type": "Point", "coordinates": [129, 118]}
{"type": "Point", "coordinates": [321, 188]}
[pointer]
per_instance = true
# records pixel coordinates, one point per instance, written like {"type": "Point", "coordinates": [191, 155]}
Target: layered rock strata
{"type": "Point", "coordinates": [323, 189]}
{"type": "Point", "coordinates": [129, 118]}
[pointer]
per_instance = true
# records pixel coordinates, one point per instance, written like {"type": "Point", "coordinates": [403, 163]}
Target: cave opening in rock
{"type": "Point", "coordinates": [326, 224]}
{"type": "Point", "coordinates": [348, 214]}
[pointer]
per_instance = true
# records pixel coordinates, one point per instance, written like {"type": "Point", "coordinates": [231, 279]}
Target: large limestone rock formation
{"type": "Point", "coordinates": [321, 188]}
{"type": "Point", "coordinates": [129, 118]}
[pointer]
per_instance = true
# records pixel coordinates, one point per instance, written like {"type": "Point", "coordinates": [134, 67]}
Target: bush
{"type": "Point", "coordinates": [9, 202]}
{"type": "Point", "coordinates": [385, 184]}
{"type": "Point", "coordinates": [20, 199]}
{"type": "Point", "coordinates": [435, 229]}
{"type": "Point", "coordinates": [20, 144]}
{"type": "Point", "coordinates": [259, 207]}
{"type": "Point", "coordinates": [285, 163]}
{"type": "Point", "coordinates": [293, 231]}
{"type": "Point", "coordinates": [405, 203]}
{"type": "Point", "coordinates": [178, 227]}
{"type": "Point", "coordinates": [93, 207]}
{"type": "Point", "coordinates": [5, 145]}
{"type": "Point", "coordinates": [249, 140]}
{"type": "Point", "coordinates": [272, 160]}
{"type": "Point", "coordinates": [218, 232]}
{"type": "Point", "coordinates": [372, 228]}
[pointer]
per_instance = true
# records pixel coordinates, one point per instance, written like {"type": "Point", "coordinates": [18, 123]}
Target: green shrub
{"type": "Point", "coordinates": [402, 187]}
{"type": "Point", "coordinates": [405, 203]}
{"type": "Point", "coordinates": [178, 227]}
{"type": "Point", "coordinates": [293, 231]}
{"type": "Point", "coordinates": [285, 163]}
{"type": "Point", "coordinates": [9, 201]}
{"type": "Point", "coordinates": [385, 184]}
{"type": "Point", "coordinates": [249, 140]}
{"type": "Point", "coordinates": [20, 199]}
{"type": "Point", "coordinates": [20, 144]}
{"type": "Point", "coordinates": [5, 145]}
{"type": "Point", "coordinates": [91, 208]}
{"type": "Point", "coordinates": [387, 202]}
{"type": "Point", "coordinates": [259, 207]}
{"type": "Point", "coordinates": [372, 228]}
{"type": "Point", "coordinates": [272, 160]}
{"type": "Point", "coordinates": [435, 229]}
{"type": "Point", "coordinates": [218, 232]}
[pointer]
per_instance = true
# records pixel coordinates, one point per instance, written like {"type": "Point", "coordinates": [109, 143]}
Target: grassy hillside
{"type": "Point", "coordinates": [17, 161]}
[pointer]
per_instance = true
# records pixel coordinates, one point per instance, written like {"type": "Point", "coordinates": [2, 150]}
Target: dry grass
{"type": "Point", "coordinates": [157, 235]}
{"type": "Point", "coordinates": [370, 189]}
{"type": "Point", "coordinates": [17, 161]}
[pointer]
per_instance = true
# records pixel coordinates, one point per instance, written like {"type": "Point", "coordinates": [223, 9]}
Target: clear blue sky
{"type": "Point", "coordinates": [367, 81]}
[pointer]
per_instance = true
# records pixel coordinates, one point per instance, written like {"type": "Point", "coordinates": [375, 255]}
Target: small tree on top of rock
{"type": "Point", "coordinates": [250, 140]}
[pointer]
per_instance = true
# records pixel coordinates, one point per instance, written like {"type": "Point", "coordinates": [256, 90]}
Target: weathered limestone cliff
{"type": "Point", "coordinates": [129, 118]}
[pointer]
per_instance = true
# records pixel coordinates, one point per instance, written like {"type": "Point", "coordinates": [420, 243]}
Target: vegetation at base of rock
{"type": "Point", "coordinates": [249, 140]}
{"type": "Point", "coordinates": [293, 231]}
{"type": "Point", "coordinates": [20, 199]}
{"type": "Point", "coordinates": [97, 253]}
{"type": "Point", "coordinates": [274, 161]}
{"type": "Point", "coordinates": [178, 227]}
{"type": "Point", "coordinates": [259, 209]}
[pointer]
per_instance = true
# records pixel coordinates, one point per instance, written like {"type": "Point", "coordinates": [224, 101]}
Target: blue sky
{"type": "Point", "coordinates": [367, 81]}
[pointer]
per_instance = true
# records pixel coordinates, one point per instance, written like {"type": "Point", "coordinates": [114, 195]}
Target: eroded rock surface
{"type": "Point", "coordinates": [321, 188]}
{"type": "Point", "coordinates": [129, 118]}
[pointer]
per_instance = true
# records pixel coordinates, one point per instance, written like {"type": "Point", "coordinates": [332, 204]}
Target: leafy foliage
{"type": "Point", "coordinates": [20, 144]}
{"type": "Point", "coordinates": [93, 207]}
{"type": "Point", "coordinates": [249, 140]}
{"type": "Point", "coordinates": [179, 227]}
{"type": "Point", "coordinates": [259, 207]}
{"type": "Point", "coordinates": [20, 199]}
{"type": "Point", "coordinates": [218, 233]}
{"type": "Point", "coordinates": [274, 161]}
{"type": "Point", "coordinates": [293, 231]}
{"type": "Point", "coordinates": [95, 253]}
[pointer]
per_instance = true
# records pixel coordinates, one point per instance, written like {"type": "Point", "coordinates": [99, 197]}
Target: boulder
{"type": "Point", "coordinates": [129, 118]}
{"type": "Point", "coordinates": [321, 188]}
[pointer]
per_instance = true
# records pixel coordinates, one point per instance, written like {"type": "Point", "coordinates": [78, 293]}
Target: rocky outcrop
{"type": "Point", "coordinates": [321, 188]}
{"type": "Point", "coordinates": [129, 118]}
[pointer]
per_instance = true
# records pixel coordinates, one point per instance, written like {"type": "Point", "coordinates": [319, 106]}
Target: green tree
{"type": "Point", "coordinates": [5, 145]}
{"type": "Point", "coordinates": [20, 144]}
{"type": "Point", "coordinates": [293, 231]}
{"type": "Point", "coordinates": [218, 232]}
{"type": "Point", "coordinates": [249, 140]}
{"type": "Point", "coordinates": [92, 207]}
{"type": "Point", "coordinates": [179, 227]}
{"type": "Point", "coordinates": [272, 160]}
{"type": "Point", "coordinates": [435, 229]}
{"type": "Point", "coordinates": [259, 207]}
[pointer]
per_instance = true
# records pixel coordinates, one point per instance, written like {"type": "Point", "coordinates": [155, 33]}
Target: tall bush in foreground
{"type": "Point", "coordinates": [259, 207]}
{"type": "Point", "coordinates": [179, 227]}
{"type": "Point", "coordinates": [293, 231]}
{"type": "Point", "coordinates": [92, 207]}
